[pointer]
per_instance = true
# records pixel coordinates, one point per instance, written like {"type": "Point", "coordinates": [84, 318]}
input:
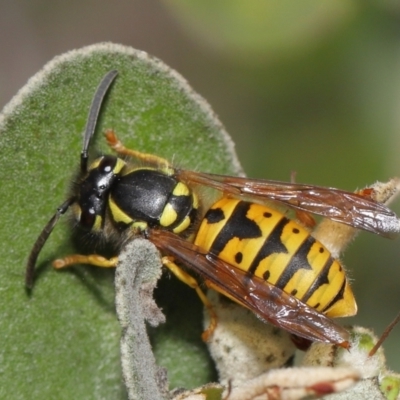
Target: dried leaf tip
{"type": "Point", "coordinates": [386, 193]}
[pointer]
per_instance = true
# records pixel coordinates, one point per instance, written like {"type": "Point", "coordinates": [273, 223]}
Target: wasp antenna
{"type": "Point", "coordinates": [41, 240]}
{"type": "Point", "coordinates": [94, 114]}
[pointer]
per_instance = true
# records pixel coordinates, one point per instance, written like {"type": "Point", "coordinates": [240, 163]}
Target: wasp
{"type": "Point", "coordinates": [239, 245]}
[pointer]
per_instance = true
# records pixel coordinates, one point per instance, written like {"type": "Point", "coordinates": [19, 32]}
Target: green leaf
{"type": "Point", "coordinates": [62, 341]}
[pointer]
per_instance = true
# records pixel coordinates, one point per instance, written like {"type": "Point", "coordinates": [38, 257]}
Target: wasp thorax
{"type": "Point", "coordinates": [149, 196]}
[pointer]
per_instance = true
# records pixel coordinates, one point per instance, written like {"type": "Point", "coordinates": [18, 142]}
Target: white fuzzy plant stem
{"type": "Point", "coordinates": [138, 271]}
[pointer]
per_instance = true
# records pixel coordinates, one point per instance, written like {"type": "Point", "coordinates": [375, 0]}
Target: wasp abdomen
{"type": "Point", "coordinates": [264, 243]}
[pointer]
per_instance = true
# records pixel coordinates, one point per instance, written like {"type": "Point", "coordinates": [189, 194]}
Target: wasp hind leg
{"type": "Point", "coordinates": [92, 259]}
{"type": "Point", "coordinates": [120, 149]}
{"type": "Point", "coordinates": [191, 282]}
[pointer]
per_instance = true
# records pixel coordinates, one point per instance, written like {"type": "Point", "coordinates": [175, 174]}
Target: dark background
{"type": "Point", "coordinates": [306, 87]}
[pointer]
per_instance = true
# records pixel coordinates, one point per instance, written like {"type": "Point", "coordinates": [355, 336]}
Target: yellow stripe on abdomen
{"type": "Point", "coordinates": [263, 242]}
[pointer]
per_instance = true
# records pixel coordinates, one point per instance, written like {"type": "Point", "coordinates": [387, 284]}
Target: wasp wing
{"type": "Point", "coordinates": [267, 301]}
{"type": "Point", "coordinates": [357, 210]}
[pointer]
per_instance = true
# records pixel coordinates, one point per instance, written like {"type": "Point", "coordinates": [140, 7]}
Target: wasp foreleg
{"type": "Point", "coordinates": [119, 148]}
{"type": "Point", "coordinates": [92, 259]}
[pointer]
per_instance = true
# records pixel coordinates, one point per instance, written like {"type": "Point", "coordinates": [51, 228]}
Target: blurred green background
{"type": "Point", "coordinates": [310, 86]}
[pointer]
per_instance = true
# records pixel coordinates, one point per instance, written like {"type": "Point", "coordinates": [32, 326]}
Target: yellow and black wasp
{"type": "Point", "coordinates": [239, 246]}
